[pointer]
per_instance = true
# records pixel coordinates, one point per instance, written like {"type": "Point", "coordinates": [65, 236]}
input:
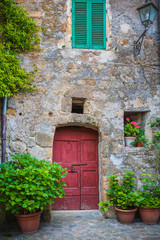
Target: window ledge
{"type": "Point", "coordinates": [134, 149]}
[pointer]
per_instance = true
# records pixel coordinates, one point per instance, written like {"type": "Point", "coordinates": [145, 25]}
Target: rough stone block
{"type": "Point", "coordinates": [11, 111]}
{"type": "Point", "coordinates": [35, 14]}
{"type": "Point", "coordinates": [20, 1]}
{"type": "Point", "coordinates": [44, 139]}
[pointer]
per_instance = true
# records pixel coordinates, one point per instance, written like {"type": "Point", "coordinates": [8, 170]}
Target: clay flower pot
{"type": "Point", "coordinates": [129, 140]}
{"type": "Point", "coordinates": [139, 144]}
{"type": "Point", "coordinates": [126, 216]}
{"type": "Point", "coordinates": [29, 223]}
{"type": "Point", "coordinates": [149, 215]}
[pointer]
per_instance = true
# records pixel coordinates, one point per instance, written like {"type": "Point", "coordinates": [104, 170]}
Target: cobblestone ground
{"type": "Point", "coordinates": [84, 225]}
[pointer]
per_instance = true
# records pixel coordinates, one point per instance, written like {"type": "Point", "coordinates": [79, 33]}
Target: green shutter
{"type": "Point", "coordinates": [98, 20]}
{"type": "Point", "coordinates": [79, 23]}
{"type": "Point", "coordinates": [89, 24]}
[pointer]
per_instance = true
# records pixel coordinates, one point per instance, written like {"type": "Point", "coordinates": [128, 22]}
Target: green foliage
{"type": "Point", "coordinates": [20, 33]}
{"type": "Point", "coordinates": [149, 195]}
{"type": "Point", "coordinates": [120, 194]}
{"type": "Point", "coordinates": [156, 141]}
{"type": "Point", "coordinates": [142, 138]}
{"type": "Point", "coordinates": [12, 77]}
{"type": "Point", "coordinates": [27, 185]}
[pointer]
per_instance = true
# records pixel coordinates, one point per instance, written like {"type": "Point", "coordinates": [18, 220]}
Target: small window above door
{"type": "Point", "coordinates": [78, 105]}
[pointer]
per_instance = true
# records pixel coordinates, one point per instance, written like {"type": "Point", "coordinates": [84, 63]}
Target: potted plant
{"type": "Point", "coordinates": [148, 199]}
{"type": "Point", "coordinates": [141, 140]}
{"type": "Point", "coordinates": [121, 196]}
{"type": "Point", "coordinates": [27, 185]}
{"type": "Point", "coordinates": [131, 129]}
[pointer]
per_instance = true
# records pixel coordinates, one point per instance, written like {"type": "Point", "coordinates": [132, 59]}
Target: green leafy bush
{"type": "Point", "coordinates": [12, 77]}
{"type": "Point", "coordinates": [149, 195]}
{"type": "Point", "coordinates": [27, 185]}
{"type": "Point", "coordinates": [120, 194]}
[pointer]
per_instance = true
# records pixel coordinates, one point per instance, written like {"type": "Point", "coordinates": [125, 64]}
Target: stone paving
{"type": "Point", "coordinates": [84, 225]}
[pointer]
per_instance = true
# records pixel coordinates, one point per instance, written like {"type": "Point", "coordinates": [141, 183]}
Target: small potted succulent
{"type": "Point", "coordinates": [148, 199]}
{"type": "Point", "coordinates": [131, 130]}
{"type": "Point", "coordinates": [121, 196]}
{"type": "Point", "coordinates": [27, 185]}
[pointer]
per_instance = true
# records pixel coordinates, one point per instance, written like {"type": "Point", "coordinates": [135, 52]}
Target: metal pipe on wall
{"type": "Point", "coordinates": [159, 15]}
{"type": "Point", "coordinates": [4, 121]}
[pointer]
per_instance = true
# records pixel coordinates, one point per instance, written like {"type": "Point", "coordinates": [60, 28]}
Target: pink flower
{"type": "Point", "coordinates": [134, 123]}
{"type": "Point", "coordinates": [137, 126]}
{"type": "Point", "coordinates": [127, 119]}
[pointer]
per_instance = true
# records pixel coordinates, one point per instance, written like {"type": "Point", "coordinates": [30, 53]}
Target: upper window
{"type": "Point", "coordinates": [89, 24]}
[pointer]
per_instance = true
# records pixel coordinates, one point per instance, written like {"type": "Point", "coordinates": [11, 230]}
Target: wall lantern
{"type": "Point", "coordinates": [147, 14]}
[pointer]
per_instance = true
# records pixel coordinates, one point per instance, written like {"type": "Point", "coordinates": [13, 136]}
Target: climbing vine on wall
{"type": "Point", "coordinates": [19, 34]}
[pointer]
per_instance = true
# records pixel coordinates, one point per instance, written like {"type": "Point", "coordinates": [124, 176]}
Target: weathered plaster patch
{"type": "Point", "coordinates": [138, 103]}
{"type": "Point", "coordinates": [107, 56]}
{"type": "Point", "coordinates": [124, 28]}
{"type": "Point", "coordinates": [70, 53]}
{"type": "Point", "coordinates": [117, 160]}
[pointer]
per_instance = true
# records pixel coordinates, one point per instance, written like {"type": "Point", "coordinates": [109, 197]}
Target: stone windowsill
{"type": "Point", "coordinates": [134, 149]}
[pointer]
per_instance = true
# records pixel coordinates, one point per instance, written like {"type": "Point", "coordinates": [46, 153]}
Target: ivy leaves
{"type": "Point", "coordinates": [19, 34]}
{"type": "Point", "coordinates": [12, 77]}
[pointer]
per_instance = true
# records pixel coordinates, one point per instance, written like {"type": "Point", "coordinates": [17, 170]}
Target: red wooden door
{"type": "Point", "coordinates": [77, 150]}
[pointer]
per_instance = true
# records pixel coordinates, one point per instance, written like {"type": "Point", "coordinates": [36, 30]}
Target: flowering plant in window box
{"type": "Point", "coordinates": [131, 130]}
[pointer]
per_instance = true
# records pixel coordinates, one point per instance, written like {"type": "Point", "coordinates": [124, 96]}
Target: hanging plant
{"type": "Point", "coordinates": [13, 78]}
{"type": "Point", "coordinates": [19, 34]}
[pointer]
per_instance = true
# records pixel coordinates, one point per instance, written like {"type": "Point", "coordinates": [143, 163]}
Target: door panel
{"type": "Point", "coordinates": [89, 151]}
{"type": "Point", "coordinates": [77, 150]}
{"type": "Point", "coordinates": [66, 151]}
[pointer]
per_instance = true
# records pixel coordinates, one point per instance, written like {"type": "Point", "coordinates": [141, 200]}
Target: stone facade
{"type": "Point", "coordinates": [110, 81]}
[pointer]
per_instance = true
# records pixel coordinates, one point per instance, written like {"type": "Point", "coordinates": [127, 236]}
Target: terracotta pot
{"type": "Point", "coordinates": [126, 216]}
{"type": "Point", "coordinates": [129, 140]}
{"type": "Point", "coordinates": [150, 215]}
{"type": "Point", "coordinates": [29, 223]}
{"type": "Point", "coordinates": [139, 144]}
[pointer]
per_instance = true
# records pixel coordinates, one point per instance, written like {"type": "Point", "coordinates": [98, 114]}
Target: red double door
{"type": "Point", "coordinates": [77, 150]}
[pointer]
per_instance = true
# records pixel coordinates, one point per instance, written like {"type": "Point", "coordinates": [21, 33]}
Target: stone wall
{"type": "Point", "coordinates": [111, 82]}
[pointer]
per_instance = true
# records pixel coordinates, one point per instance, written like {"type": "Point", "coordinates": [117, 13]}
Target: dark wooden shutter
{"type": "Point", "coordinates": [79, 23]}
{"type": "Point", "coordinates": [98, 19]}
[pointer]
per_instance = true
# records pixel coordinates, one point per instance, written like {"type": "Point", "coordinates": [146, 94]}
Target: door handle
{"type": "Point", "coordinates": [77, 164]}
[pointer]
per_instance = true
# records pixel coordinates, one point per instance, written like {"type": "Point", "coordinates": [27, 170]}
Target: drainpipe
{"type": "Point", "coordinates": [159, 15]}
{"type": "Point", "coordinates": [4, 121]}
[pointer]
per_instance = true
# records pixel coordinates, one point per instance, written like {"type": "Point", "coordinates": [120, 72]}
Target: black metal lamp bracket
{"type": "Point", "coordinates": [138, 43]}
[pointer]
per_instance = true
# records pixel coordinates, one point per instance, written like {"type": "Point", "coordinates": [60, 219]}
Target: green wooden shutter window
{"type": "Point", "coordinates": [97, 25]}
{"type": "Point", "coordinates": [89, 24]}
{"type": "Point", "coordinates": [80, 24]}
